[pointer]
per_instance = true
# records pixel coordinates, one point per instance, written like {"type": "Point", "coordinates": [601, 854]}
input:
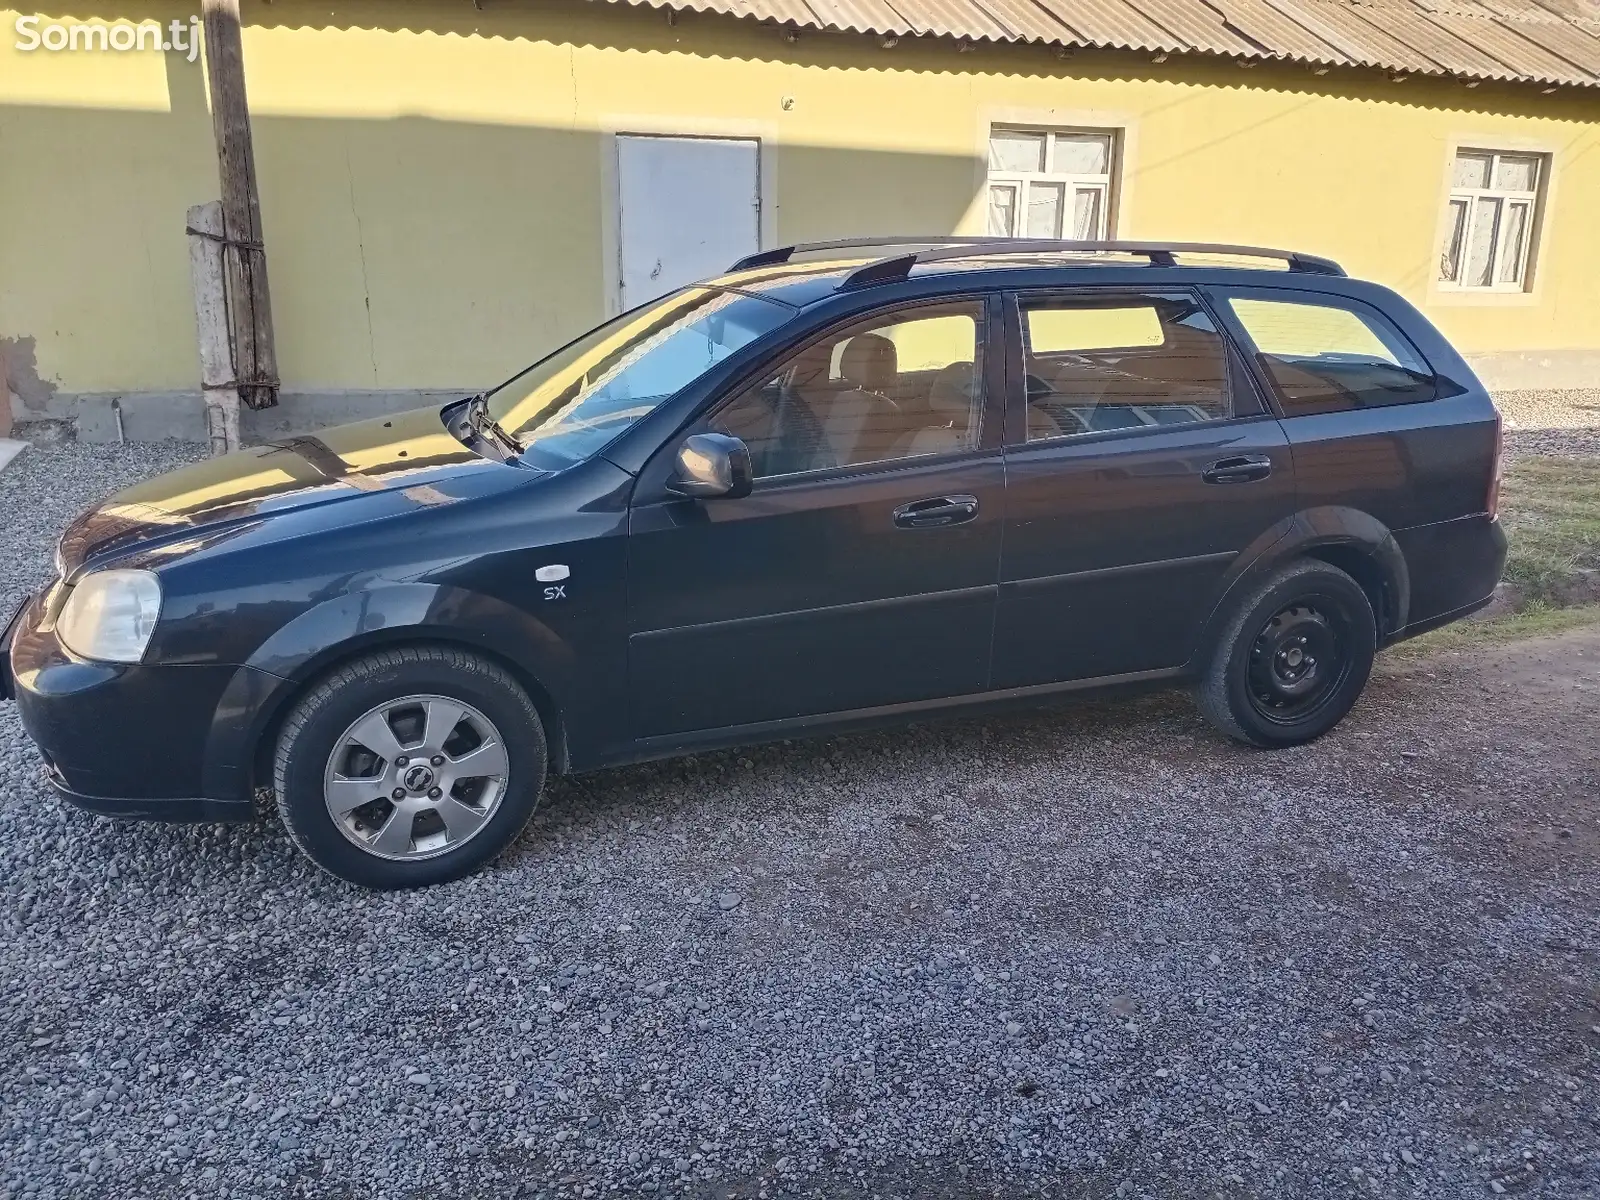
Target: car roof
{"type": "Point", "coordinates": [807, 274]}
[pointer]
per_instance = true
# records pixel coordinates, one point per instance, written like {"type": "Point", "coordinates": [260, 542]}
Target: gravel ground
{"type": "Point", "coordinates": [47, 485]}
{"type": "Point", "coordinates": [1088, 951]}
{"type": "Point", "coordinates": [1554, 424]}
{"type": "Point", "coordinates": [1577, 408]}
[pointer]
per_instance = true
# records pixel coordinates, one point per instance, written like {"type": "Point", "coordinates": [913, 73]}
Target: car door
{"type": "Point", "coordinates": [1140, 464]}
{"type": "Point", "coordinates": [862, 570]}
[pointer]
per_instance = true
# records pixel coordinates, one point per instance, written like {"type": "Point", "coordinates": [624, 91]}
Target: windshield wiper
{"type": "Point", "coordinates": [478, 414]}
{"type": "Point", "coordinates": [470, 419]}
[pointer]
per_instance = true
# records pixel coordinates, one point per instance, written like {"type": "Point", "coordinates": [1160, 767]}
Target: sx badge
{"type": "Point", "coordinates": [554, 574]}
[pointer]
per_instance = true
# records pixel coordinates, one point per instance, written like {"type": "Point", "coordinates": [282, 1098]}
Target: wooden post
{"type": "Point", "coordinates": [206, 275]}
{"type": "Point", "coordinates": [249, 303]}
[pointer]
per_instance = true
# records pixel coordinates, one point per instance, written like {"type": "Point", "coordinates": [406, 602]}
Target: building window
{"type": "Point", "coordinates": [1048, 183]}
{"type": "Point", "coordinates": [1489, 227]}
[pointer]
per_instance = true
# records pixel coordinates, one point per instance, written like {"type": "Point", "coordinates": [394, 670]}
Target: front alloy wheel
{"type": "Point", "coordinates": [415, 777]}
{"type": "Point", "coordinates": [410, 766]}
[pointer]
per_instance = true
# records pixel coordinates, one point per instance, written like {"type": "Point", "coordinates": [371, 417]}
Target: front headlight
{"type": "Point", "coordinates": [110, 615]}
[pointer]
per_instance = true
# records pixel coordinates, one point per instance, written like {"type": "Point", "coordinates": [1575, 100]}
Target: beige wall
{"type": "Point", "coordinates": [436, 207]}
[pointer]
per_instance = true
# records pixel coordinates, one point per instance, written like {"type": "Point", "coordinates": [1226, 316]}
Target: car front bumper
{"type": "Point", "coordinates": [126, 740]}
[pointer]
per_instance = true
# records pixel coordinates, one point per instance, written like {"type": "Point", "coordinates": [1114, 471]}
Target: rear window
{"type": "Point", "coordinates": [1323, 357]}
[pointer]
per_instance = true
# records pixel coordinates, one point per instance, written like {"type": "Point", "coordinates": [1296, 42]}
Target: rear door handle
{"type": "Point", "coordinates": [936, 512]}
{"type": "Point", "coordinates": [1242, 468]}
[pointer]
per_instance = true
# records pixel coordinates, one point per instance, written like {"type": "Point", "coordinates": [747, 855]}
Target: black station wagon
{"type": "Point", "coordinates": [844, 483]}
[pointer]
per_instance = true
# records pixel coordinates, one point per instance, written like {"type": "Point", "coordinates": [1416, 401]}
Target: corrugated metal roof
{"type": "Point", "coordinates": [787, 12]}
{"type": "Point", "coordinates": [1025, 21]}
{"type": "Point", "coordinates": [1536, 41]}
{"type": "Point", "coordinates": [1197, 26]}
{"type": "Point", "coordinates": [1338, 25]}
{"type": "Point", "coordinates": [952, 18]}
{"type": "Point", "coordinates": [1411, 27]}
{"type": "Point", "coordinates": [1573, 41]}
{"type": "Point", "coordinates": [1109, 23]}
{"type": "Point", "coordinates": [1526, 47]}
{"type": "Point", "coordinates": [1280, 36]}
{"type": "Point", "coordinates": [872, 16]}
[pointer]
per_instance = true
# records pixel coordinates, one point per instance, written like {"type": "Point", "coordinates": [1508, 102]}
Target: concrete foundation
{"type": "Point", "coordinates": [180, 416]}
{"type": "Point", "coordinates": [1538, 370]}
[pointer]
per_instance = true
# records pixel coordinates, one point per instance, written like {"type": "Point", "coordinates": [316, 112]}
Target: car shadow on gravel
{"type": "Point", "coordinates": [760, 779]}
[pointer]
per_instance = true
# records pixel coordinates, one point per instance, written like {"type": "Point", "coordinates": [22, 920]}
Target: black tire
{"type": "Point", "coordinates": [1258, 688]}
{"type": "Point", "coordinates": [324, 715]}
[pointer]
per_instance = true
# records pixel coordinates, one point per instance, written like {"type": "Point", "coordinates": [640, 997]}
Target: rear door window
{"type": "Point", "coordinates": [1323, 356]}
{"type": "Point", "coordinates": [1096, 364]}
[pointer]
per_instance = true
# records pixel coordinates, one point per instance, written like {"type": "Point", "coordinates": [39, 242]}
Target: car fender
{"type": "Point", "coordinates": [260, 689]}
{"type": "Point", "coordinates": [1336, 532]}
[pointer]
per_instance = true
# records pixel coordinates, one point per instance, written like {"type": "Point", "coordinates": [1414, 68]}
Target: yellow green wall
{"type": "Point", "coordinates": [434, 189]}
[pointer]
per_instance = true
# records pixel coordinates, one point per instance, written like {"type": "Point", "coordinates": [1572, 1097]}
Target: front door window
{"type": "Point", "coordinates": [889, 388]}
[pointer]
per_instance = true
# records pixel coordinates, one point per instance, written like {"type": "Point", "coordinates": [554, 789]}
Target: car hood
{"type": "Point", "coordinates": [411, 452]}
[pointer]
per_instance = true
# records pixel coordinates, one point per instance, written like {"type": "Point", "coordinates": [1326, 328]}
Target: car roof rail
{"type": "Point", "coordinates": [782, 254]}
{"type": "Point", "coordinates": [1159, 254]}
{"type": "Point", "coordinates": [936, 249]}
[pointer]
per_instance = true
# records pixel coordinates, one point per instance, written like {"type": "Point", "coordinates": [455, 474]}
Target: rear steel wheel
{"type": "Point", "coordinates": [1292, 659]}
{"type": "Point", "coordinates": [1297, 662]}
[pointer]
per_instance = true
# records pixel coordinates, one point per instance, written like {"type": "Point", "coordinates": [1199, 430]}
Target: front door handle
{"type": "Point", "coordinates": [936, 512]}
{"type": "Point", "coordinates": [1242, 468]}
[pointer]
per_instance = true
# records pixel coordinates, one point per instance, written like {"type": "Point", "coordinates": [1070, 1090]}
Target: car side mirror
{"type": "Point", "coordinates": [713, 464]}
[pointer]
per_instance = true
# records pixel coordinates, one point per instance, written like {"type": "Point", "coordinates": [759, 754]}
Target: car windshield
{"type": "Point", "coordinates": [565, 408]}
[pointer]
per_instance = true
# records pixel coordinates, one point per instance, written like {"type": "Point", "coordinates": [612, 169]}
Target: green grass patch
{"type": "Point", "coordinates": [1537, 619]}
{"type": "Point", "coordinates": [1551, 511]}
{"type": "Point", "coordinates": [1550, 508]}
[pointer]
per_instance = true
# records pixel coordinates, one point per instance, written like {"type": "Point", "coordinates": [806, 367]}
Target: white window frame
{"type": "Point", "coordinates": [1504, 198]}
{"type": "Point", "coordinates": [1021, 181]}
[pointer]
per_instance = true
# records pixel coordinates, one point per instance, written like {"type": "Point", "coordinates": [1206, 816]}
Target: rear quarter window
{"type": "Point", "coordinates": [1321, 356]}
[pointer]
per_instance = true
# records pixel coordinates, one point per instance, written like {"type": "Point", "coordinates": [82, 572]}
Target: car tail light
{"type": "Point", "coordinates": [1493, 505]}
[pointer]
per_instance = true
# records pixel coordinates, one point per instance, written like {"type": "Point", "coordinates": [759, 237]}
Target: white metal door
{"type": "Point", "coordinates": [688, 207]}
